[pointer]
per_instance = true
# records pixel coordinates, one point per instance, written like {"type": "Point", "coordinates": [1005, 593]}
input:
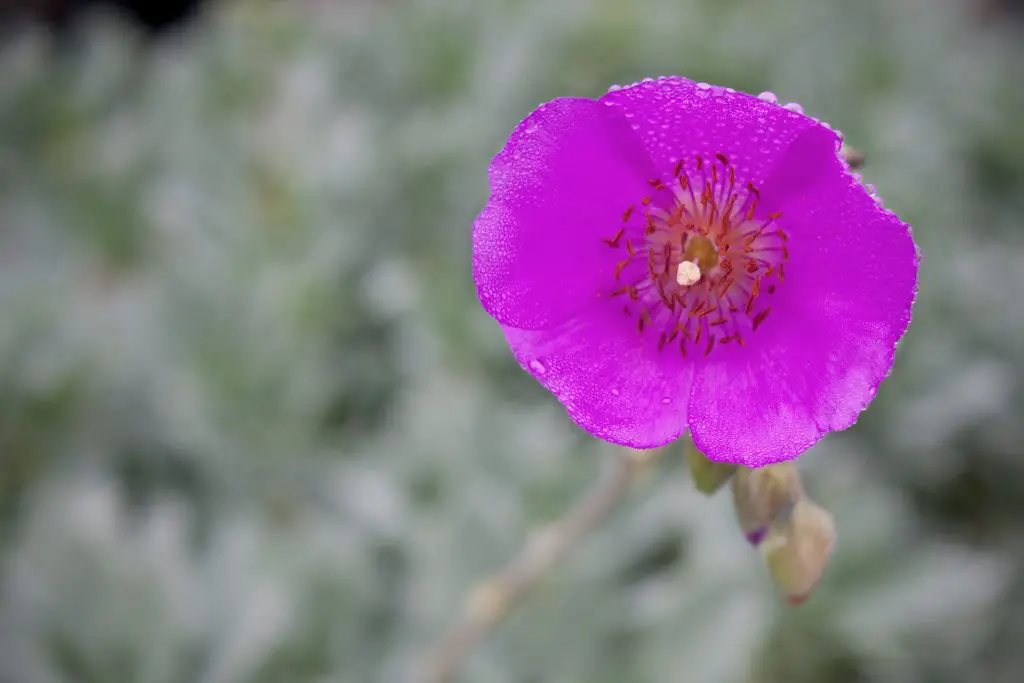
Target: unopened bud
{"type": "Point", "coordinates": [854, 158]}
{"type": "Point", "coordinates": [797, 549]}
{"type": "Point", "coordinates": [708, 475]}
{"type": "Point", "coordinates": [760, 495]}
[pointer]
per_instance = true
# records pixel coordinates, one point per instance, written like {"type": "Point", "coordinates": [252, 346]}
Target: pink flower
{"type": "Point", "coordinates": [676, 255]}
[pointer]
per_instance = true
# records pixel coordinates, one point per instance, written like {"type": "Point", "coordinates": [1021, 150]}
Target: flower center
{"type": "Point", "coordinates": [700, 251]}
{"type": "Point", "coordinates": [698, 258]}
{"type": "Point", "coordinates": [688, 273]}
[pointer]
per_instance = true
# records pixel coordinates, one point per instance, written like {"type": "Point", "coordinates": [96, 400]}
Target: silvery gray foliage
{"type": "Point", "coordinates": [255, 428]}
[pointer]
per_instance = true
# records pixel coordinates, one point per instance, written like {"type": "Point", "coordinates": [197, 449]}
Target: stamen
{"type": "Point", "coordinates": [614, 241]}
{"type": "Point", "coordinates": [759, 318]}
{"type": "Point", "coordinates": [643, 320]}
{"type": "Point", "coordinates": [710, 256]}
{"type": "Point", "coordinates": [619, 267]}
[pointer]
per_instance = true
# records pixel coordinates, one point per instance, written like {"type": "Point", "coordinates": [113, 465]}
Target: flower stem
{"type": "Point", "coordinates": [495, 597]}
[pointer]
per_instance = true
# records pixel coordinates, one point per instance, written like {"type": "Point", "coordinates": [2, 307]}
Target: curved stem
{"type": "Point", "coordinates": [494, 598]}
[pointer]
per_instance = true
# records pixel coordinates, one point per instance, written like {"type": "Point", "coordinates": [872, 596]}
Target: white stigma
{"type": "Point", "coordinates": [688, 273]}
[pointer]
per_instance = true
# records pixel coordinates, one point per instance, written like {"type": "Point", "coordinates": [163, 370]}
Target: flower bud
{"type": "Point", "coordinates": [760, 495]}
{"type": "Point", "coordinates": [708, 475]}
{"type": "Point", "coordinates": [797, 548]}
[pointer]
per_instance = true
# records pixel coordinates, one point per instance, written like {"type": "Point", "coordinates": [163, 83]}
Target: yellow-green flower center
{"type": "Point", "coordinates": [700, 256]}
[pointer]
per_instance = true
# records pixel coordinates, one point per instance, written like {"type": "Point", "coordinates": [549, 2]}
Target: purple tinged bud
{"type": "Point", "coordinates": [708, 475]}
{"type": "Point", "coordinates": [761, 495]}
{"type": "Point", "coordinates": [755, 537]}
{"type": "Point", "coordinates": [797, 549]}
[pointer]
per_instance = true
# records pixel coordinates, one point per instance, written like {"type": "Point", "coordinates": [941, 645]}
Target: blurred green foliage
{"type": "Point", "coordinates": [255, 428]}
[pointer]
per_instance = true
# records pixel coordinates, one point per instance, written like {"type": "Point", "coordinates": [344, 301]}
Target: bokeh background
{"type": "Point", "coordinates": [255, 428]}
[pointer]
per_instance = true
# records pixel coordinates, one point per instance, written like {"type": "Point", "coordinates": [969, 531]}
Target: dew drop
{"type": "Point", "coordinates": [794, 107]}
{"type": "Point", "coordinates": [613, 88]}
{"type": "Point", "coordinates": [768, 96]}
{"type": "Point", "coordinates": [615, 392]}
{"type": "Point", "coordinates": [665, 401]}
{"type": "Point", "coordinates": [538, 367]}
{"type": "Point", "coordinates": [703, 86]}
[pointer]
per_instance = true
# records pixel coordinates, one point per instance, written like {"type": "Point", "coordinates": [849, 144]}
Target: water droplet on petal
{"type": "Point", "coordinates": [768, 96]}
{"type": "Point", "coordinates": [615, 392]}
{"type": "Point", "coordinates": [538, 367]}
{"type": "Point", "coordinates": [703, 86]}
{"type": "Point", "coordinates": [665, 401]}
{"type": "Point", "coordinates": [794, 107]}
{"type": "Point", "coordinates": [613, 88]}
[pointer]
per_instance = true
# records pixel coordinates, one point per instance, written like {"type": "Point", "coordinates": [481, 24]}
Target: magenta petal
{"type": "Point", "coordinates": [612, 381]}
{"type": "Point", "coordinates": [561, 183]}
{"type": "Point", "coordinates": [679, 119]}
{"type": "Point", "coordinates": [850, 283]}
